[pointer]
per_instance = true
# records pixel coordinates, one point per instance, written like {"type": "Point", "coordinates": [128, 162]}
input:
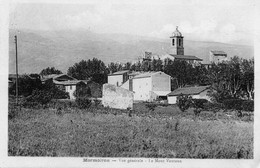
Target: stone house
{"type": "Point", "coordinates": [150, 85]}
{"type": "Point", "coordinates": [118, 78]}
{"type": "Point", "coordinates": [70, 84]}
{"type": "Point", "coordinates": [217, 56]}
{"type": "Point", "coordinates": [196, 92]}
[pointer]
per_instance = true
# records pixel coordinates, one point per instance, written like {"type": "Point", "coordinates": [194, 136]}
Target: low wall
{"type": "Point", "coordinates": [117, 97]}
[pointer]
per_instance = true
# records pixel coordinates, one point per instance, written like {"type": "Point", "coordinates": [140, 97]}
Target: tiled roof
{"type": "Point", "coordinates": [120, 72]}
{"type": "Point", "coordinates": [55, 76]}
{"type": "Point", "coordinates": [162, 93]}
{"type": "Point", "coordinates": [218, 53]}
{"type": "Point", "coordinates": [69, 82]}
{"type": "Point", "coordinates": [188, 90]}
{"type": "Point", "coordinates": [186, 57]}
{"type": "Point", "coordinates": [146, 74]}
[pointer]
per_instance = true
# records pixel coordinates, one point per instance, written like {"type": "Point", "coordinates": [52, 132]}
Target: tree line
{"type": "Point", "coordinates": [230, 79]}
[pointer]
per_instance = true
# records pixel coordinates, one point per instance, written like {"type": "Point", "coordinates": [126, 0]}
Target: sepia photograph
{"type": "Point", "coordinates": [150, 82]}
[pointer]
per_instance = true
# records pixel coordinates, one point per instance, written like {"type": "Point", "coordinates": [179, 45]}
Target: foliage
{"type": "Point", "coordinates": [41, 97]}
{"type": "Point", "coordinates": [248, 105]}
{"type": "Point", "coordinates": [184, 102]}
{"type": "Point", "coordinates": [199, 103]}
{"type": "Point", "coordinates": [232, 79]}
{"type": "Point", "coordinates": [83, 102]}
{"type": "Point", "coordinates": [151, 106]}
{"type": "Point", "coordinates": [38, 97]}
{"type": "Point", "coordinates": [49, 71]}
{"type": "Point", "coordinates": [79, 133]}
{"type": "Point", "coordinates": [91, 69]}
{"type": "Point", "coordinates": [238, 104]}
{"type": "Point", "coordinates": [54, 91]}
{"type": "Point", "coordinates": [26, 85]}
{"type": "Point", "coordinates": [82, 95]}
{"type": "Point", "coordinates": [82, 91]}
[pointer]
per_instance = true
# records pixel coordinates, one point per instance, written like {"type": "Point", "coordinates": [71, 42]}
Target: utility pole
{"type": "Point", "coordinates": [16, 54]}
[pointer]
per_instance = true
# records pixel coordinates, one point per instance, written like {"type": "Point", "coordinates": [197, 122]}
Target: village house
{"type": "Point", "coordinates": [118, 78]}
{"type": "Point", "coordinates": [217, 56]}
{"type": "Point", "coordinates": [196, 92]}
{"type": "Point", "coordinates": [150, 86]}
{"type": "Point", "coordinates": [70, 84]}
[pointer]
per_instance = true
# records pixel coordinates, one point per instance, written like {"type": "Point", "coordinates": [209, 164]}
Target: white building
{"type": "Point", "coordinates": [118, 78]}
{"type": "Point", "coordinates": [217, 56]}
{"type": "Point", "coordinates": [150, 85]}
{"type": "Point", "coordinates": [197, 92]}
{"type": "Point", "coordinates": [69, 84]}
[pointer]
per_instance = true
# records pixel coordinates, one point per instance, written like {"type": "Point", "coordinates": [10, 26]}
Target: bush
{"type": "Point", "coordinates": [83, 102]}
{"type": "Point", "coordinates": [151, 106]}
{"type": "Point", "coordinates": [38, 97]}
{"type": "Point", "coordinates": [26, 86]}
{"type": "Point", "coordinates": [184, 102]}
{"type": "Point", "coordinates": [233, 104]}
{"type": "Point", "coordinates": [239, 104]}
{"type": "Point", "coordinates": [199, 103]}
{"type": "Point", "coordinates": [213, 106]}
{"type": "Point", "coordinates": [248, 105]}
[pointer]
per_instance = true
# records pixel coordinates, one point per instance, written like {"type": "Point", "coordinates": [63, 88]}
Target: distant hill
{"type": "Point", "coordinates": [61, 49]}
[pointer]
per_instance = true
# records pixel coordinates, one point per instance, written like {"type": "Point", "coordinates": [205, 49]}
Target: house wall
{"type": "Point", "coordinates": [117, 97]}
{"type": "Point", "coordinates": [126, 85]}
{"type": "Point", "coordinates": [161, 82]}
{"type": "Point", "coordinates": [142, 88]}
{"type": "Point", "coordinates": [202, 95]}
{"type": "Point", "coordinates": [217, 59]}
{"type": "Point", "coordinates": [71, 89]}
{"type": "Point", "coordinates": [172, 99]}
{"type": "Point", "coordinates": [115, 80]}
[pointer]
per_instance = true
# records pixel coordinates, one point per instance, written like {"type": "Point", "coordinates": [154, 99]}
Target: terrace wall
{"type": "Point", "coordinates": [117, 97]}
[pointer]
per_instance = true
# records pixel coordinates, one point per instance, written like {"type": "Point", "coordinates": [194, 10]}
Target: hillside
{"type": "Point", "coordinates": [41, 49]}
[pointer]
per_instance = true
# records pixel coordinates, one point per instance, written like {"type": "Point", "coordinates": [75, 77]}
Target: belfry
{"type": "Point", "coordinates": [177, 43]}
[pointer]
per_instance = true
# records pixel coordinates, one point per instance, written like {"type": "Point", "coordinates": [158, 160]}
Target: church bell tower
{"type": "Point", "coordinates": [177, 43]}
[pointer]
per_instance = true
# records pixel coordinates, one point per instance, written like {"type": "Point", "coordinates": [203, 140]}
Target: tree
{"type": "Point", "coordinates": [114, 67]}
{"type": "Point", "coordinates": [49, 71]}
{"type": "Point", "coordinates": [91, 69]}
{"type": "Point", "coordinates": [26, 85]}
{"type": "Point", "coordinates": [180, 70]}
{"type": "Point", "coordinates": [247, 67]}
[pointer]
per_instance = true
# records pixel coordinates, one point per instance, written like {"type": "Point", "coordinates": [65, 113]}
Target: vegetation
{"type": "Point", "coordinates": [49, 71]}
{"type": "Point", "coordinates": [91, 69]}
{"type": "Point", "coordinates": [26, 85]}
{"type": "Point", "coordinates": [104, 132]}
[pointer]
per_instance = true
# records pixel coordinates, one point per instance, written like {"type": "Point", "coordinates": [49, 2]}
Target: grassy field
{"type": "Point", "coordinates": [103, 132]}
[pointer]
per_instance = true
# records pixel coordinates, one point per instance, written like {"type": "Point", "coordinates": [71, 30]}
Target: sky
{"type": "Point", "coordinates": [224, 21]}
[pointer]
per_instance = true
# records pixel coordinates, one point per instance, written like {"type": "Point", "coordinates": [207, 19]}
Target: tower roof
{"type": "Point", "coordinates": [177, 33]}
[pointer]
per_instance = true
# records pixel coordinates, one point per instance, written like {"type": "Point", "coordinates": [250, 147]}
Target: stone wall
{"type": "Point", "coordinates": [117, 97]}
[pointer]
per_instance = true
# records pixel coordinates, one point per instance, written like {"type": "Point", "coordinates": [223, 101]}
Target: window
{"type": "Point", "coordinates": [116, 83]}
{"type": "Point", "coordinates": [179, 42]}
{"type": "Point", "coordinates": [70, 87]}
{"type": "Point", "coordinates": [173, 42]}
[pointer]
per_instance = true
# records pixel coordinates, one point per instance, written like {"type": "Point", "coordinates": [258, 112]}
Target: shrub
{"type": "Point", "coordinates": [215, 106]}
{"type": "Point", "coordinates": [248, 105]}
{"type": "Point", "coordinates": [184, 102]}
{"type": "Point", "coordinates": [151, 106]}
{"type": "Point", "coordinates": [83, 102]}
{"type": "Point", "coordinates": [97, 102]}
{"type": "Point", "coordinates": [26, 85]}
{"type": "Point", "coordinates": [239, 104]}
{"type": "Point", "coordinates": [199, 103]}
{"type": "Point", "coordinates": [233, 104]}
{"type": "Point", "coordinates": [38, 97]}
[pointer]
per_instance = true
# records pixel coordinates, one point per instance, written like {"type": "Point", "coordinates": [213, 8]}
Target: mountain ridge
{"type": "Point", "coordinates": [62, 49]}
